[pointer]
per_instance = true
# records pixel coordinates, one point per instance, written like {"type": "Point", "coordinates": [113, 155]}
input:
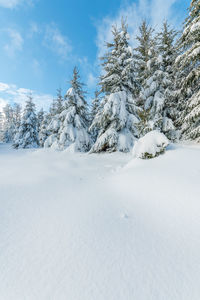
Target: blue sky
{"type": "Point", "coordinates": [42, 40]}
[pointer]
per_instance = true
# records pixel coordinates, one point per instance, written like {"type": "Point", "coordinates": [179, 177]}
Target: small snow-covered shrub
{"type": "Point", "coordinates": [150, 145]}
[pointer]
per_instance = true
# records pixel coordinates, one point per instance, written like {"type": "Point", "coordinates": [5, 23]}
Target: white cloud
{"type": "Point", "coordinates": [161, 10]}
{"type": "Point", "coordinates": [13, 3]}
{"type": "Point", "coordinates": [15, 42]}
{"type": "Point", "coordinates": [9, 3]}
{"type": "Point", "coordinates": [56, 41]}
{"type": "Point", "coordinates": [154, 11]}
{"type": "Point", "coordinates": [3, 87]}
{"type": "Point", "coordinates": [10, 93]}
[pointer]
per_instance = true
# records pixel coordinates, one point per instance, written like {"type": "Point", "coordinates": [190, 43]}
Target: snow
{"type": "Point", "coordinates": [195, 27]}
{"type": "Point", "coordinates": [150, 145]}
{"type": "Point", "coordinates": [107, 226]}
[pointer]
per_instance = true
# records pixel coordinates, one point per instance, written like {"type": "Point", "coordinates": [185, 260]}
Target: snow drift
{"type": "Point", "coordinates": [150, 145]}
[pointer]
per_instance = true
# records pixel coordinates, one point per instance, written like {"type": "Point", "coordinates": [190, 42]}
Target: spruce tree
{"type": "Point", "coordinates": [94, 110]}
{"type": "Point", "coordinates": [52, 122]}
{"type": "Point", "coordinates": [9, 127]}
{"type": "Point", "coordinates": [44, 132]}
{"type": "Point", "coordinates": [1, 125]}
{"type": "Point", "coordinates": [152, 93]}
{"type": "Point", "coordinates": [141, 55]}
{"type": "Point", "coordinates": [16, 117]}
{"type": "Point", "coordinates": [156, 92]}
{"type": "Point", "coordinates": [72, 122]}
{"type": "Point", "coordinates": [59, 101]}
{"type": "Point", "coordinates": [116, 121]}
{"type": "Point", "coordinates": [40, 118]}
{"type": "Point", "coordinates": [167, 51]}
{"type": "Point", "coordinates": [95, 105]}
{"type": "Point", "coordinates": [27, 135]}
{"type": "Point", "coordinates": [74, 127]}
{"type": "Point", "coordinates": [189, 64]}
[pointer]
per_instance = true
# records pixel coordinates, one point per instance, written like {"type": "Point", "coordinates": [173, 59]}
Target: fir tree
{"type": "Point", "coordinates": [116, 121]}
{"type": "Point", "coordinates": [95, 105]}
{"type": "Point", "coordinates": [152, 93]}
{"type": "Point", "coordinates": [27, 135]}
{"type": "Point", "coordinates": [16, 117]}
{"type": "Point", "coordinates": [94, 110]}
{"type": "Point", "coordinates": [189, 64]}
{"type": "Point", "coordinates": [9, 127]}
{"type": "Point", "coordinates": [157, 90]}
{"type": "Point", "coordinates": [44, 132]}
{"type": "Point", "coordinates": [118, 63]}
{"type": "Point", "coordinates": [1, 125]}
{"type": "Point", "coordinates": [73, 120]}
{"type": "Point", "coordinates": [59, 102]}
{"type": "Point", "coordinates": [52, 122]}
{"type": "Point", "coordinates": [141, 55]}
{"type": "Point", "coordinates": [40, 118]}
{"type": "Point", "coordinates": [167, 55]}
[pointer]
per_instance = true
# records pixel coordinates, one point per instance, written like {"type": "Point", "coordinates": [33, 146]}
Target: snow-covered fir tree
{"type": "Point", "coordinates": [59, 102]}
{"type": "Point", "coordinates": [9, 127]}
{"type": "Point", "coordinates": [52, 122]}
{"type": "Point", "coordinates": [40, 118]}
{"type": "Point", "coordinates": [74, 127]}
{"type": "Point", "coordinates": [95, 104]}
{"type": "Point", "coordinates": [72, 121]}
{"type": "Point", "coordinates": [44, 132]}
{"type": "Point", "coordinates": [141, 55]}
{"type": "Point", "coordinates": [189, 64]}
{"type": "Point", "coordinates": [116, 120]}
{"type": "Point", "coordinates": [17, 110]}
{"type": "Point", "coordinates": [27, 135]}
{"type": "Point", "coordinates": [94, 110]}
{"type": "Point", "coordinates": [1, 125]}
{"type": "Point", "coordinates": [157, 88]}
{"type": "Point", "coordinates": [167, 51]}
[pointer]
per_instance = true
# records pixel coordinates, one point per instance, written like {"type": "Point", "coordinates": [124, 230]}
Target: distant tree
{"type": "Point", "coordinates": [43, 131]}
{"type": "Point", "coordinates": [27, 135]}
{"type": "Point", "coordinates": [9, 128]}
{"type": "Point", "coordinates": [17, 111]}
{"type": "Point", "coordinates": [94, 110]}
{"type": "Point", "coordinates": [40, 118]}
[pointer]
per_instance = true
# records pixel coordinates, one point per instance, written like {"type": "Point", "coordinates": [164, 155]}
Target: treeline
{"type": "Point", "coordinates": [155, 86]}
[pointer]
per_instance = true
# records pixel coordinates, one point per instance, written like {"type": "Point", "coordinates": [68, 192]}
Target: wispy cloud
{"type": "Point", "coordinates": [154, 11]}
{"type": "Point", "coordinates": [13, 3]}
{"type": "Point", "coordinates": [10, 93]}
{"type": "Point", "coordinates": [4, 87]}
{"type": "Point", "coordinates": [56, 41]}
{"type": "Point", "coordinates": [14, 43]}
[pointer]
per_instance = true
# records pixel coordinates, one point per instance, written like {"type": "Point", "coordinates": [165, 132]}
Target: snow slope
{"type": "Point", "coordinates": [98, 227]}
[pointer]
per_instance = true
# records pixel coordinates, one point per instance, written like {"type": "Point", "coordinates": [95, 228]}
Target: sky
{"type": "Point", "coordinates": [41, 41]}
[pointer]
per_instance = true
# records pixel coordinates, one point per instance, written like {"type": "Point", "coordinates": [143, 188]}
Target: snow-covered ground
{"type": "Point", "coordinates": [99, 227]}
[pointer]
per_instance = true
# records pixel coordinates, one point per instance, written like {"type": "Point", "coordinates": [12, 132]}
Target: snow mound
{"type": "Point", "coordinates": [150, 145]}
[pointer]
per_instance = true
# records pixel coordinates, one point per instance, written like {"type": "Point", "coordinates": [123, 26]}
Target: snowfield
{"type": "Point", "coordinates": [99, 226]}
